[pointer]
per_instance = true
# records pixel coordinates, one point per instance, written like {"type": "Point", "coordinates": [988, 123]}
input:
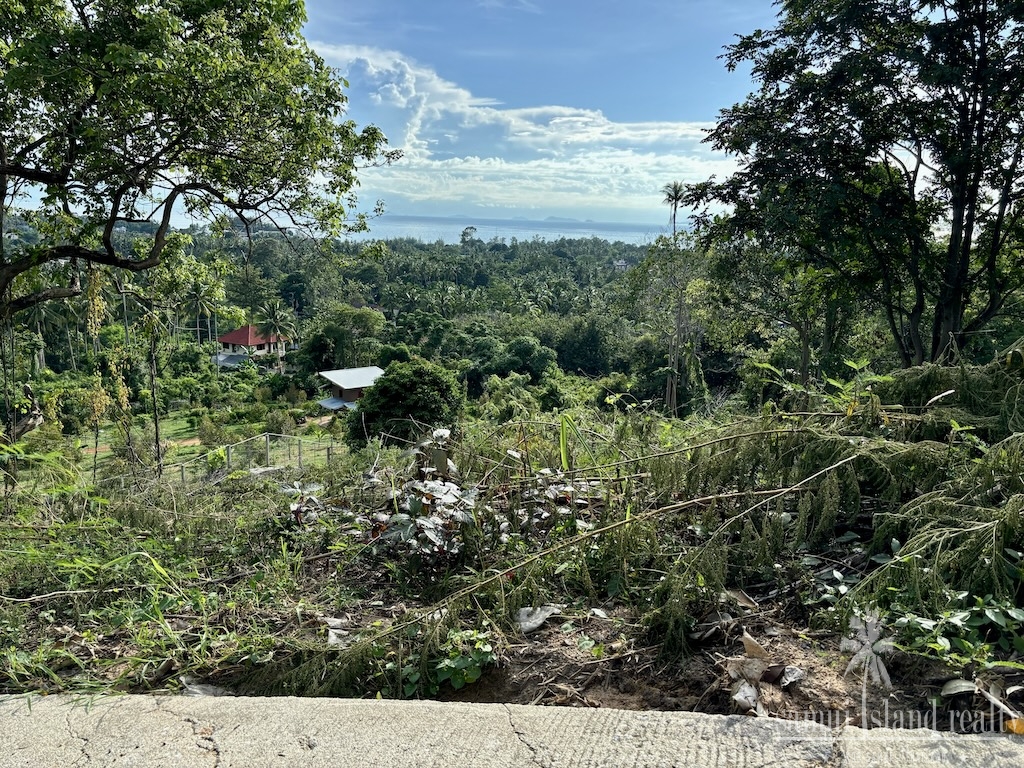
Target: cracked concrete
{"type": "Point", "coordinates": [226, 731]}
{"type": "Point", "coordinates": [82, 759]}
{"type": "Point", "coordinates": [534, 757]}
{"type": "Point", "coordinates": [207, 738]}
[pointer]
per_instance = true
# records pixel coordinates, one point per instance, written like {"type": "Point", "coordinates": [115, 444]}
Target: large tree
{"type": "Point", "coordinates": [883, 142]}
{"type": "Point", "coordinates": [116, 112]}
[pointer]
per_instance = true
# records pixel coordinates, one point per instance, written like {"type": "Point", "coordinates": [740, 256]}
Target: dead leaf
{"type": "Point", "coordinates": [954, 687]}
{"type": "Point", "coordinates": [744, 695]}
{"type": "Point", "coordinates": [783, 675]}
{"type": "Point", "coordinates": [753, 648]}
{"type": "Point", "coordinates": [745, 668]}
{"type": "Point", "coordinates": [742, 598]}
{"type": "Point", "coordinates": [1015, 726]}
{"type": "Point", "coordinates": [773, 673]}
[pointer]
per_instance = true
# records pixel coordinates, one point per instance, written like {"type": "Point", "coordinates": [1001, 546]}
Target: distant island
{"type": "Point", "coordinates": [450, 229]}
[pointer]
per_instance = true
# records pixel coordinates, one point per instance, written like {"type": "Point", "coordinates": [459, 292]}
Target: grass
{"type": "Point", "coordinates": [232, 583]}
{"type": "Point", "coordinates": [176, 429]}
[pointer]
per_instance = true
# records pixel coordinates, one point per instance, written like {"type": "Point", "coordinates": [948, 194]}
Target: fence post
{"type": "Point", "coordinates": [300, 454]}
{"type": "Point", "coordinates": [266, 437]}
{"type": "Point", "coordinates": [229, 458]}
{"type": "Point", "coordinates": [328, 454]}
{"type": "Point", "coordinates": [182, 472]}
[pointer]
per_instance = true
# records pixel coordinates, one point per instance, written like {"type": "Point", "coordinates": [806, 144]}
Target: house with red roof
{"type": "Point", "coordinates": [247, 342]}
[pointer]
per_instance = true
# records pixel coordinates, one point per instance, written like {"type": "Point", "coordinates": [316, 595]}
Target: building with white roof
{"type": "Point", "coordinates": [347, 386]}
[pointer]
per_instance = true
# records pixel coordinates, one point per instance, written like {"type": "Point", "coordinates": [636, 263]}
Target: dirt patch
{"type": "Point", "coordinates": [559, 666]}
{"type": "Point", "coordinates": [598, 659]}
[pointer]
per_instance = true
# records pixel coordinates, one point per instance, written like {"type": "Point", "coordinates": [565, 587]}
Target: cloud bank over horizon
{"type": "Point", "coordinates": [470, 154]}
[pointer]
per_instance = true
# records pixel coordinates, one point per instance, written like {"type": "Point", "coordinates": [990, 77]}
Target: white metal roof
{"type": "Point", "coordinates": [353, 378]}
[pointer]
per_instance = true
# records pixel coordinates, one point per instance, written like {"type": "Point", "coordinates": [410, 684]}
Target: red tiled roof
{"type": "Point", "coordinates": [248, 336]}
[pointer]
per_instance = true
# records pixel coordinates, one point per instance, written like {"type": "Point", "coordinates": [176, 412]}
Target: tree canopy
{"type": "Point", "coordinates": [118, 113]}
{"type": "Point", "coordinates": [405, 401]}
{"type": "Point", "coordinates": [883, 142]}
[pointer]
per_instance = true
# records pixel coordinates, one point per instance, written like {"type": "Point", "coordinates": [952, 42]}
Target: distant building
{"type": "Point", "coordinates": [246, 343]}
{"type": "Point", "coordinates": [347, 386]}
{"type": "Point", "coordinates": [620, 265]}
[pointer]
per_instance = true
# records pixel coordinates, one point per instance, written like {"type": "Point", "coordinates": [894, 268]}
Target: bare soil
{"type": "Point", "coordinates": [557, 666]}
{"type": "Point", "coordinates": [595, 659]}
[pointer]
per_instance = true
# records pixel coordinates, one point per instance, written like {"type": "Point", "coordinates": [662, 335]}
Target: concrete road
{"type": "Point", "coordinates": [182, 731]}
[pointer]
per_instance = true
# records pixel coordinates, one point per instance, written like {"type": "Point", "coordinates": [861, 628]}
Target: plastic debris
{"type": "Point", "coordinates": [531, 619]}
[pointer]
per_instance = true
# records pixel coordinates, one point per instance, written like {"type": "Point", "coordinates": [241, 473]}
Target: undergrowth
{"type": "Point", "coordinates": [400, 573]}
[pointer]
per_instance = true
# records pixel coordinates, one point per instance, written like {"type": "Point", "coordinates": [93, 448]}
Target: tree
{"type": "Point", "coordinates": [119, 113]}
{"type": "Point", "coordinates": [675, 193]}
{"type": "Point", "coordinates": [406, 400]}
{"type": "Point", "coordinates": [339, 336]}
{"type": "Point", "coordinates": [757, 292]}
{"type": "Point", "coordinates": [874, 125]}
{"type": "Point", "coordinates": [276, 323]}
{"type": "Point", "coordinates": [658, 293]}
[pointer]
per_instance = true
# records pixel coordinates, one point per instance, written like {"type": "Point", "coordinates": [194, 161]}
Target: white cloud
{"type": "Point", "coordinates": [472, 151]}
{"type": "Point", "coordinates": [516, 5]}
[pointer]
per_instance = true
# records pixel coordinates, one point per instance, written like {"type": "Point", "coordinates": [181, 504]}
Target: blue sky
{"type": "Point", "coordinates": [537, 108]}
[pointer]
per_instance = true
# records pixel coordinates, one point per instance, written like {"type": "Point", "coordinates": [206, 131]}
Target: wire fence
{"type": "Point", "coordinates": [265, 451]}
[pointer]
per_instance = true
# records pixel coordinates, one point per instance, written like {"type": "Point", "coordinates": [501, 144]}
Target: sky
{"type": "Point", "coordinates": [534, 109]}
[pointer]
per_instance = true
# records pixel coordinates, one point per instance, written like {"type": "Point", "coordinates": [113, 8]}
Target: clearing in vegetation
{"type": "Point", "coordinates": [596, 559]}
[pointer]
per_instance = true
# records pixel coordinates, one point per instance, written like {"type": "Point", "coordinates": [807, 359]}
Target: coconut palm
{"type": "Point", "coordinates": [276, 321]}
{"type": "Point", "coordinates": [204, 294]}
{"type": "Point", "coordinates": [674, 194]}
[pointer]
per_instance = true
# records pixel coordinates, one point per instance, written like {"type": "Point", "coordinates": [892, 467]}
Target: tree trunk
{"type": "Point", "coordinates": [804, 333]}
{"type": "Point", "coordinates": [124, 318]}
{"type": "Point", "coordinates": [95, 448]}
{"type": "Point", "coordinates": [156, 410]}
{"type": "Point", "coordinates": [41, 354]}
{"type": "Point", "coordinates": [71, 349]}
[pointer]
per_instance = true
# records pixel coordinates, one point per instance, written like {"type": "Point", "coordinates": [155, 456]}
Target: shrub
{"type": "Point", "coordinates": [409, 399]}
{"type": "Point", "coordinates": [280, 423]}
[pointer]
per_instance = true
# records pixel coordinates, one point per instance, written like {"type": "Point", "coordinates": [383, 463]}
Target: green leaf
{"type": "Point", "coordinates": [996, 616]}
{"type": "Point", "coordinates": [563, 443]}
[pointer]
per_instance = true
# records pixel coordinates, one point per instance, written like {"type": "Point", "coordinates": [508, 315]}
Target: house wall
{"type": "Point", "coordinates": [348, 395]}
{"type": "Point", "coordinates": [258, 350]}
{"type": "Point", "coordinates": [351, 395]}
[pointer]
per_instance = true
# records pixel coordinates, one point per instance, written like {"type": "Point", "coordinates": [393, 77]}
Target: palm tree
{"type": "Point", "coordinates": [276, 321]}
{"type": "Point", "coordinates": [45, 317]}
{"type": "Point", "coordinates": [674, 194]}
{"type": "Point", "coordinates": [204, 295]}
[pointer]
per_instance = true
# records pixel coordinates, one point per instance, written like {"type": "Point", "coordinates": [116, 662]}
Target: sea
{"type": "Point", "coordinates": [430, 229]}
